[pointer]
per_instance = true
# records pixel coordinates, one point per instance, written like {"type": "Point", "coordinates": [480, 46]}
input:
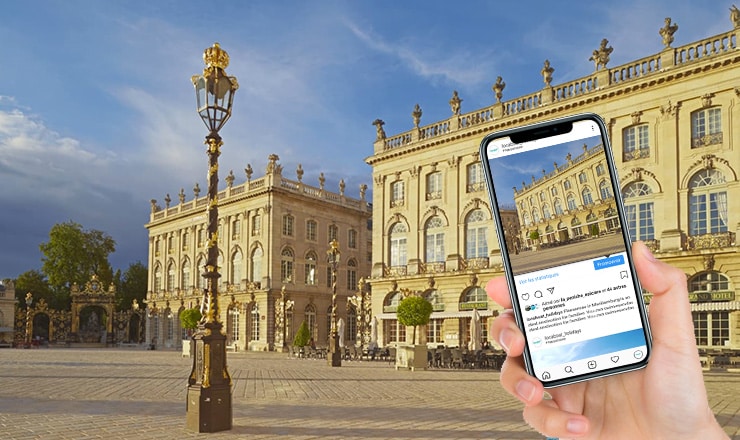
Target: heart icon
{"type": "Point", "coordinates": [615, 359]}
{"type": "Point", "coordinates": [525, 296]}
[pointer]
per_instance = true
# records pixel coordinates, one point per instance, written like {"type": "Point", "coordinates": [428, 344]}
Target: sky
{"type": "Point", "coordinates": [97, 109]}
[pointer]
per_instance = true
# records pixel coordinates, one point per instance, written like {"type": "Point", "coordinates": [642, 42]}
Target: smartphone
{"type": "Point", "coordinates": [567, 258]}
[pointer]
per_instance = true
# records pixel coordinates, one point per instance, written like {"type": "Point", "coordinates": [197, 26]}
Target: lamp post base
{"type": "Point", "coordinates": [334, 357]}
{"type": "Point", "coordinates": [209, 386]}
{"type": "Point", "coordinates": [209, 409]}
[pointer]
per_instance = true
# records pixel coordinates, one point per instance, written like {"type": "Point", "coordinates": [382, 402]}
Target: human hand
{"type": "Point", "coordinates": [665, 400]}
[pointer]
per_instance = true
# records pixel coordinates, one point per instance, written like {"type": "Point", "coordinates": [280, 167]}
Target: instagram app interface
{"type": "Point", "coordinates": [573, 282]}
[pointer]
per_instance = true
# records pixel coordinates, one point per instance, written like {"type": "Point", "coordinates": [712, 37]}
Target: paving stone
{"type": "Point", "coordinates": [135, 394]}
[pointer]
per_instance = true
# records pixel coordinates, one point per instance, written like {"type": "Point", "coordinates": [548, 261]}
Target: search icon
{"type": "Point", "coordinates": [569, 369]}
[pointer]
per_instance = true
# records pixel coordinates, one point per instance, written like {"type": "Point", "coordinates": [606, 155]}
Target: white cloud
{"type": "Point", "coordinates": [459, 67]}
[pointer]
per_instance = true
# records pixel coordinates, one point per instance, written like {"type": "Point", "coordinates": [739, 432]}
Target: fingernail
{"type": "Point", "coordinates": [525, 390]}
{"type": "Point", "coordinates": [505, 339]}
{"type": "Point", "coordinates": [576, 426]}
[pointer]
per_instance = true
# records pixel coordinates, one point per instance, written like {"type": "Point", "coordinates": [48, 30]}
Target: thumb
{"type": "Point", "coordinates": [670, 311]}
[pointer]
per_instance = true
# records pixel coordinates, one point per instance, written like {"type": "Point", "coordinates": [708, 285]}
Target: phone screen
{"type": "Point", "coordinates": [566, 255]}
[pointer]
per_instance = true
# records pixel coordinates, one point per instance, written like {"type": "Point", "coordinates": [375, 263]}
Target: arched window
{"type": "Point", "coordinates": [352, 274]}
{"type": "Point", "coordinates": [286, 265]}
{"type": "Point", "coordinates": [310, 315]}
{"type": "Point", "coordinates": [256, 263]}
{"type": "Point", "coordinates": [255, 321]}
{"type": "Point", "coordinates": [558, 207]}
{"type": "Point", "coordinates": [157, 279]}
{"type": "Point", "coordinates": [201, 270]}
{"type": "Point", "coordinates": [546, 211]}
{"type": "Point", "coordinates": [185, 274]}
{"type": "Point", "coordinates": [586, 195]}
{"type": "Point", "coordinates": [234, 317]}
{"type": "Point", "coordinates": [571, 200]}
{"type": "Point", "coordinates": [639, 211]}
{"type": "Point", "coordinates": [236, 267]}
{"type": "Point", "coordinates": [434, 297]}
{"type": "Point", "coordinates": [475, 294]}
{"type": "Point", "coordinates": [525, 219]}
{"type": "Point", "coordinates": [434, 240]}
{"type": "Point", "coordinates": [310, 268]}
{"type": "Point", "coordinates": [476, 234]}
{"type": "Point", "coordinates": [707, 203]}
{"type": "Point", "coordinates": [398, 245]}
{"type": "Point", "coordinates": [390, 304]}
{"type": "Point", "coordinates": [351, 327]}
{"type": "Point", "coordinates": [171, 276]}
{"type": "Point", "coordinates": [605, 190]}
{"type": "Point", "coordinates": [535, 215]}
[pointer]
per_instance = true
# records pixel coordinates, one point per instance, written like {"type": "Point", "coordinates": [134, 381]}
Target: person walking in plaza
{"type": "Point", "coordinates": [665, 400]}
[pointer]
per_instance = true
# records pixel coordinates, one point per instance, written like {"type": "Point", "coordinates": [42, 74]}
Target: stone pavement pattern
{"type": "Point", "coordinates": [134, 394]}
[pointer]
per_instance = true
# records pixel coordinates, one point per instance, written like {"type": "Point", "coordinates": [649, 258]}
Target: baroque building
{"type": "Point", "coordinates": [672, 118]}
{"type": "Point", "coordinates": [273, 238]}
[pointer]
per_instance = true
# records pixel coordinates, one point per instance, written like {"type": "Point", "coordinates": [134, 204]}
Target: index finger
{"type": "Point", "coordinates": [498, 291]}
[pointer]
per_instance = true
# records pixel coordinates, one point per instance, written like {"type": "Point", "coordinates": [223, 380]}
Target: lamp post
{"type": "Point", "coordinates": [362, 303]}
{"type": "Point", "coordinates": [284, 305]}
{"type": "Point", "coordinates": [335, 355]}
{"type": "Point", "coordinates": [209, 385]}
{"type": "Point", "coordinates": [29, 303]}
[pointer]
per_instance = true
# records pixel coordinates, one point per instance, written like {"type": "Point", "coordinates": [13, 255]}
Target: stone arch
{"type": "Point", "coordinates": [709, 162]}
{"type": "Point", "coordinates": [641, 175]}
{"type": "Point", "coordinates": [471, 206]}
{"type": "Point", "coordinates": [434, 211]}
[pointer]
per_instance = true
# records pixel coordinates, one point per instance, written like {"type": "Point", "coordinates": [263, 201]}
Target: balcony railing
{"type": "Point", "coordinates": [435, 267]}
{"type": "Point", "coordinates": [474, 263]}
{"type": "Point", "coordinates": [475, 187]}
{"type": "Point", "coordinates": [704, 141]}
{"type": "Point", "coordinates": [711, 241]}
{"type": "Point", "coordinates": [640, 153]}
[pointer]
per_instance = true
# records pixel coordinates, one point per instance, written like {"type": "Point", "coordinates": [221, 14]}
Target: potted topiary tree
{"type": "Point", "coordinates": [535, 237]}
{"type": "Point", "coordinates": [189, 319]}
{"type": "Point", "coordinates": [302, 338]}
{"type": "Point", "coordinates": [413, 311]}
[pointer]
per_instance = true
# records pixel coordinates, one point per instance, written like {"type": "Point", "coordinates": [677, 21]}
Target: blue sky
{"type": "Point", "coordinates": [97, 109]}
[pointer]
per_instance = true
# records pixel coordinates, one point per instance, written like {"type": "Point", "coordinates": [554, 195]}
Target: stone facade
{"type": "Point", "coordinates": [672, 119]}
{"type": "Point", "coordinates": [7, 312]}
{"type": "Point", "coordinates": [274, 234]}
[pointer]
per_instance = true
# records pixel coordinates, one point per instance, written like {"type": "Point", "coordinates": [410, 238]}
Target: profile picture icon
{"type": "Point", "coordinates": [530, 307]}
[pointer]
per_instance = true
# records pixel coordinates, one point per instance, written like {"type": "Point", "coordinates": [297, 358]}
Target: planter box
{"type": "Point", "coordinates": [411, 357]}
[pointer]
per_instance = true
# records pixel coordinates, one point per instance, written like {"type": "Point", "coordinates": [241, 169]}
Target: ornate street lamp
{"type": "Point", "coordinates": [363, 307]}
{"type": "Point", "coordinates": [209, 385]}
{"type": "Point", "coordinates": [335, 355]}
{"type": "Point", "coordinates": [29, 303]}
{"type": "Point", "coordinates": [284, 305]}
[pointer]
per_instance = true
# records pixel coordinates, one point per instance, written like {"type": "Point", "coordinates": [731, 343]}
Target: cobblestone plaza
{"type": "Point", "coordinates": [135, 394]}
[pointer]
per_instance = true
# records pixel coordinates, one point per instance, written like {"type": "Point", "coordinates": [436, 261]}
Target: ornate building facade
{"type": "Point", "coordinates": [673, 123]}
{"type": "Point", "coordinates": [274, 234]}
